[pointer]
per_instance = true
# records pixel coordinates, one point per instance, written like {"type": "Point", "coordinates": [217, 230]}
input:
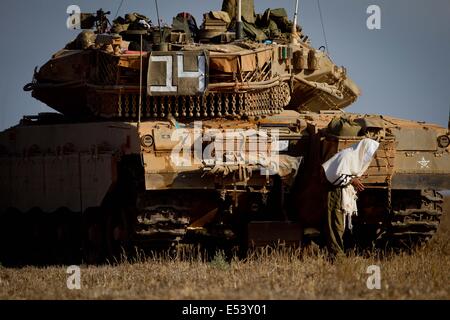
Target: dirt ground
{"type": "Point", "coordinates": [285, 274]}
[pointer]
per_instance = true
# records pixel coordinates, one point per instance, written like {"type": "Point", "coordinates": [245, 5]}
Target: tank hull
{"type": "Point", "coordinates": [104, 179]}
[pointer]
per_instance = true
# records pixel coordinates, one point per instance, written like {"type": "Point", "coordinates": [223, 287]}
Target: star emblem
{"type": "Point", "coordinates": [424, 163]}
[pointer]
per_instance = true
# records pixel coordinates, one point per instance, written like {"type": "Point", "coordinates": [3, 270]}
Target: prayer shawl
{"type": "Point", "coordinates": [346, 165]}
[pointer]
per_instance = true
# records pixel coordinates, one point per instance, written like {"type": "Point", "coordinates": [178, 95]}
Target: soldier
{"type": "Point", "coordinates": [341, 174]}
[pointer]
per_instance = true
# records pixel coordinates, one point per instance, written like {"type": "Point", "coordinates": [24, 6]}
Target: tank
{"type": "Point", "coordinates": [210, 135]}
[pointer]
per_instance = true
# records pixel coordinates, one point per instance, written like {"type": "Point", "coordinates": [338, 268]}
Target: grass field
{"type": "Point", "coordinates": [284, 274]}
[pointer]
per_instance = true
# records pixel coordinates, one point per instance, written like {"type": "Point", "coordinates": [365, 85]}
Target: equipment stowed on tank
{"type": "Point", "coordinates": [188, 134]}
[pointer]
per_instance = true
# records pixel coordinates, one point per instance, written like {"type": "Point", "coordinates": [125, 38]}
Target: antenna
{"type": "Point", "coordinates": [118, 9]}
{"type": "Point", "coordinates": [140, 86]}
{"type": "Point", "coordinates": [239, 25]}
{"type": "Point", "coordinates": [159, 21]}
{"type": "Point", "coordinates": [294, 25]}
{"type": "Point", "coordinates": [323, 27]}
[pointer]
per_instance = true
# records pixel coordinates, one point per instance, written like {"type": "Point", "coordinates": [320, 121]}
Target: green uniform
{"type": "Point", "coordinates": [335, 226]}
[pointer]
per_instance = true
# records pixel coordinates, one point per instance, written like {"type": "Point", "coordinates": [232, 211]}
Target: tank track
{"type": "Point", "coordinates": [414, 218]}
{"type": "Point", "coordinates": [159, 227]}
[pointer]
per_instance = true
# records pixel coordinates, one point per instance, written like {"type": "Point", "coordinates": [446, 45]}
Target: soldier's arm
{"type": "Point", "coordinates": [357, 184]}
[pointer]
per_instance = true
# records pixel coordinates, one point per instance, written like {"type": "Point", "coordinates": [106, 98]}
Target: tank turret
{"type": "Point", "coordinates": [189, 71]}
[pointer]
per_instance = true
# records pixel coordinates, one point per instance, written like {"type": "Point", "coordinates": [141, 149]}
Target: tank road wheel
{"type": "Point", "coordinates": [41, 240]}
{"type": "Point", "coordinates": [117, 234]}
{"type": "Point", "coordinates": [66, 230]}
{"type": "Point", "coordinates": [18, 239]}
{"type": "Point", "coordinates": [93, 236]}
{"type": "Point", "coordinates": [3, 238]}
{"type": "Point", "coordinates": [415, 217]}
{"type": "Point", "coordinates": [9, 240]}
{"type": "Point", "coordinates": [75, 239]}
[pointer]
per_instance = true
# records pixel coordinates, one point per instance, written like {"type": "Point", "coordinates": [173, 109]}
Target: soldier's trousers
{"type": "Point", "coordinates": [335, 227]}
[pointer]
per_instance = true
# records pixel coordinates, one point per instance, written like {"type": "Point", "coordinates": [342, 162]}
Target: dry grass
{"type": "Point", "coordinates": [280, 275]}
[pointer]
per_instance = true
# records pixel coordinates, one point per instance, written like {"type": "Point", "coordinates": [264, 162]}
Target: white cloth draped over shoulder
{"type": "Point", "coordinates": [346, 165]}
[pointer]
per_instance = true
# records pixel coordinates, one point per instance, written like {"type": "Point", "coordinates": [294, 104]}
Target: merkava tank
{"type": "Point", "coordinates": [212, 135]}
